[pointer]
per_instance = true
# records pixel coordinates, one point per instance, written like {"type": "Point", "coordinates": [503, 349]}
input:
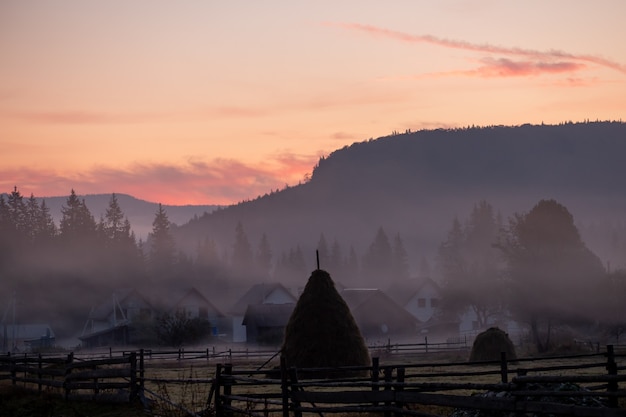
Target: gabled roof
{"type": "Point", "coordinates": [268, 315]}
{"type": "Point", "coordinates": [257, 294]}
{"type": "Point", "coordinates": [403, 291]}
{"type": "Point", "coordinates": [102, 311]}
{"type": "Point", "coordinates": [372, 302]}
{"type": "Point", "coordinates": [354, 297]}
{"type": "Point", "coordinates": [193, 292]}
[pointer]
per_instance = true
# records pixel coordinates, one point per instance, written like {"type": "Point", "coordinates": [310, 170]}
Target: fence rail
{"type": "Point", "coordinates": [520, 386]}
{"type": "Point", "coordinates": [516, 386]}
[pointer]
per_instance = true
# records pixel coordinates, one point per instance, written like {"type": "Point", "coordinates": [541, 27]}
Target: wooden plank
{"type": "Point", "coordinates": [100, 373]}
{"type": "Point", "coordinates": [99, 385]}
{"type": "Point", "coordinates": [98, 362]}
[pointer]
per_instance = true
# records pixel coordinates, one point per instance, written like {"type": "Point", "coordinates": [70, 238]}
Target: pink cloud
{"type": "Point", "coordinates": [504, 67]}
{"type": "Point", "coordinates": [221, 181]}
{"type": "Point", "coordinates": [545, 57]}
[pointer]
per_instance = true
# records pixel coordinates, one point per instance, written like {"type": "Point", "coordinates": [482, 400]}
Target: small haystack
{"type": "Point", "coordinates": [490, 343]}
{"type": "Point", "coordinates": [321, 331]}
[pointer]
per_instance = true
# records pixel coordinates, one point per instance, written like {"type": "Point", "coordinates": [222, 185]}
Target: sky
{"type": "Point", "coordinates": [217, 102]}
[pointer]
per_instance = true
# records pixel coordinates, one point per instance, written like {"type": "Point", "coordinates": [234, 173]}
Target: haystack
{"type": "Point", "coordinates": [489, 344]}
{"type": "Point", "coordinates": [321, 331]}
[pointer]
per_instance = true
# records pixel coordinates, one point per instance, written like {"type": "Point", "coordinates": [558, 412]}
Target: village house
{"type": "Point", "coordinates": [378, 317]}
{"type": "Point", "coordinates": [109, 323]}
{"type": "Point", "coordinates": [265, 323]}
{"type": "Point", "coordinates": [259, 294]}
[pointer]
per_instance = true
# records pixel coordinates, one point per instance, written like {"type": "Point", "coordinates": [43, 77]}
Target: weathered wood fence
{"type": "Point", "coordinates": [120, 377]}
{"type": "Point", "coordinates": [590, 383]}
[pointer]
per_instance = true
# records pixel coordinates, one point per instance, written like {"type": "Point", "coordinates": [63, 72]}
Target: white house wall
{"type": "Point", "coordinates": [428, 293]}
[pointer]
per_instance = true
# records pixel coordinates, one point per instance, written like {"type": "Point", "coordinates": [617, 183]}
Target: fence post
{"type": "Point", "coordinates": [134, 389]}
{"type": "Point", "coordinates": [216, 384]}
{"type": "Point", "coordinates": [68, 371]}
{"type": "Point", "coordinates": [611, 367]}
{"type": "Point", "coordinates": [284, 388]}
{"type": "Point", "coordinates": [375, 376]}
{"type": "Point", "coordinates": [142, 372]}
{"type": "Point", "coordinates": [400, 387]}
{"type": "Point", "coordinates": [13, 367]}
{"type": "Point", "coordinates": [504, 372]}
{"type": "Point", "coordinates": [39, 373]}
{"type": "Point", "coordinates": [388, 371]}
{"type": "Point", "coordinates": [228, 387]}
{"type": "Point", "coordinates": [293, 378]}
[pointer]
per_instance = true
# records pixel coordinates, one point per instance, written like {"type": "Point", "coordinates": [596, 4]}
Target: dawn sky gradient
{"type": "Point", "coordinates": [207, 102]}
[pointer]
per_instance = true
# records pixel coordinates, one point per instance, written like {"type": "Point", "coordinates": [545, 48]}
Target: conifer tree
{"type": "Point", "coordinates": [243, 260]}
{"type": "Point", "coordinates": [162, 246]}
{"type": "Point", "coordinates": [264, 256]}
{"type": "Point", "coordinates": [378, 261]}
{"type": "Point", "coordinates": [77, 223]}
{"type": "Point", "coordinates": [400, 259]}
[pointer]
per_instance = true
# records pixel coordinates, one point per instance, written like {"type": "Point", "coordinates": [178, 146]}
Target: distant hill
{"type": "Point", "coordinates": [140, 213]}
{"type": "Point", "coordinates": [414, 184]}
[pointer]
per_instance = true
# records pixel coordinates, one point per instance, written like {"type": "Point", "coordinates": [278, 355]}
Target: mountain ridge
{"type": "Point", "coordinates": [415, 184]}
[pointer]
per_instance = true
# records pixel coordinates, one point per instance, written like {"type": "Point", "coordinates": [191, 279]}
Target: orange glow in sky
{"type": "Point", "coordinates": [199, 102]}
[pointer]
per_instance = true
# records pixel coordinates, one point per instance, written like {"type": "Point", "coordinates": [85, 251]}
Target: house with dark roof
{"type": "Point", "coordinates": [378, 316]}
{"type": "Point", "coordinates": [194, 304]}
{"type": "Point", "coordinates": [108, 324]}
{"type": "Point", "coordinates": [259, 294]}
{"type": "Point", "coordinates": [265, 323]}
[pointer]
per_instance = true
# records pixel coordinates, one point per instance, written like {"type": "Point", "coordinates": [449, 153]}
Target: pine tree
{"type": "Point", "coordinates": [400, 259]}
{"type": "Point", "coordinates": [77, 223]}
{"type": "Point", "coordinates": [162, 246]}
{"type": "Point", "coordinates": [264, 256]}
{"type": "Point", "coordinates": [243, 260]}
{"type": "Point", "coordinates": [378, 261]}
{"type": "Point", "coordinates": [336, 261]}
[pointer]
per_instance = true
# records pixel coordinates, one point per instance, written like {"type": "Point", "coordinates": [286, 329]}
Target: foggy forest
{"type": "Point", "coordinates": [525, 223]}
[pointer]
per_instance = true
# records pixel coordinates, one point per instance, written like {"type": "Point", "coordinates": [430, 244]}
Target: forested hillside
{"type": "Point", "coordinates": [378, 212]}
{"type": "Point", "coordinates": [415, 184]}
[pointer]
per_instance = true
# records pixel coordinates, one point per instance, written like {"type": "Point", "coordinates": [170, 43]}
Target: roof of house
{"type": "Point", "coordinates": [257, 294]}
{"type": "Point", "coordinates": [403, 291]}
{"type": "Point", "coordinates": [371, 302]}
{"type": "Point", "coordinates": [103, 310]}
{"type": "Point", "coordinates": [268, 315]}
{"type": "Point", "coordinates": [191, 292]}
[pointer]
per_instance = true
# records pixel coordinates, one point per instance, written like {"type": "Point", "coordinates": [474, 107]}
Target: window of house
{"type": "Point", "coordinates": [421, 302]}
{"type": "Point", "coordinates": [434, 302]}
{"type": "Point", "coordinates": [203, 313]}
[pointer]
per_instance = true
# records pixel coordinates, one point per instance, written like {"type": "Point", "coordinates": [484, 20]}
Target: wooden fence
{"type": "Point", "coordinates": [520, 386]}
{"type": "Point", "coordinates": [119, 377]}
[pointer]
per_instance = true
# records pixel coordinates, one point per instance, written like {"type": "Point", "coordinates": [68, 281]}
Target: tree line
{"type": "Point", "coordinates": [534, 269]}
{"type": "Point", "coordinates": [60, 271]}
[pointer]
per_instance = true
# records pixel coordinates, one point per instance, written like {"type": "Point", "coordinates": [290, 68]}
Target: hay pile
{"type": "Point", "coordinates": [321, 331]}
{"type": "Point", "coordinates": [490, 343]}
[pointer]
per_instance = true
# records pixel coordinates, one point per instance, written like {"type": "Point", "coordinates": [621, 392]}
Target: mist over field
{"type": "Point", "coordinates": [379, 213]}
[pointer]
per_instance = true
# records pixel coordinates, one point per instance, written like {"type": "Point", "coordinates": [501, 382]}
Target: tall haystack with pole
{"type": "Point", "coordinates": [321, 331]}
